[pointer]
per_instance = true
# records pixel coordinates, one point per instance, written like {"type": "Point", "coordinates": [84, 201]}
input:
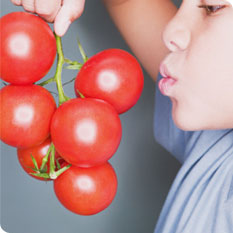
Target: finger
{"type": "Point", "coordinates": [28, 5]}
{"type": "Point", "coordinates": [47, 9]}
{"type": "Point", "coordinates": [17, 2]}
{"type": "Point", "coordinates": [70, 10]}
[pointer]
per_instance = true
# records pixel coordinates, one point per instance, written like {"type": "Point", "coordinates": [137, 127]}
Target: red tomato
{"type": "Point", "coordinates": [28, 48]}
{"type": "Point", "coordinates": [86, 132]}
{"type": "Point", "coordinates": [38, 152]}
{"type": "Point", "coordinates": [113, 75]}
{"type": "Point", "coordinates": [25, 115]}
{"type": "Point", "coordinates": [86, 191]}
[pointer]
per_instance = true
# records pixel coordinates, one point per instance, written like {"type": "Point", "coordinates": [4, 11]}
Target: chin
{"type": "Point", "coordinates": [188, 121]}
{"type": "Point", "coordinates": [192, 120]}
{"type": "Point", "coordinates": [184, 124]}
{"type": "Point", "coordinates": [196, 123]}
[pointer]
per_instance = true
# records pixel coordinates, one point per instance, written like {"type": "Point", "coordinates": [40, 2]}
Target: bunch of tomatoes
{"type": "Point", "coordinates": [70, 143]}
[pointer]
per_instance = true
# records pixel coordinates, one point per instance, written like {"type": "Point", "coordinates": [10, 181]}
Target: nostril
{"type": "Point", "coordinates": [172, 46]}
{"type": "Point", "coordinates": [171, 42]}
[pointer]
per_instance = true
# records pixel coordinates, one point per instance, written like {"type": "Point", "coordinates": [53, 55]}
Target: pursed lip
{"type": "Point", "coordinates": [164, 71]}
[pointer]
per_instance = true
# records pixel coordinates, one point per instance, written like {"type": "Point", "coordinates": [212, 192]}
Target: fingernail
{"type": "Point", "coordinates": [17, 2]}
{"type": "Point", "coordinates": [62, 27]}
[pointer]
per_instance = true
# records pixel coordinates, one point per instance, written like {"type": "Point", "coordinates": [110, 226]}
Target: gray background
{"type": "Point", "coordinates": [144, 169]}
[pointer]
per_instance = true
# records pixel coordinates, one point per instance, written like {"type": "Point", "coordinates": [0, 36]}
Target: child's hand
{"type": "Point", "coordinates": [61, 12]}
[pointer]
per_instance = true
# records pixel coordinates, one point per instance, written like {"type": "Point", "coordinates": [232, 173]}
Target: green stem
{"type": "Point", "coordinates": [59, 172]}
{"type": "Point", "coordinates": [41, 175]}
{"type": "Point", "coordinates": [74, 67]}
{"type": "Point", "coordinates": [46, 158]}
{"type": "Point", "coordinates": [80, 94]}
{"type": "Point", "coordinates": [83, 54]}
{"type": "Point", "coordinates": [62, 97]}
{"type": "Point", "coordinates": [53, 172]}
{"type": "Point", "coordinates": [68, 61]}
{"type": "Point", "coordinates": [52, 164]}
{"type": "Point", "coordinates": [69, 81]}
{"type": "Point", "coordinates": [50, 80]}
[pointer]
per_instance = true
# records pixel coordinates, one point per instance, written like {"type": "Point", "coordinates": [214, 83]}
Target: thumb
{"type": "Point", "coordinates": [70, 10]}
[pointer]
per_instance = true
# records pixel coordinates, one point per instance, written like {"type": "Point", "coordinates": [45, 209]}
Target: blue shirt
{"type": "Point", "coordinates": [201, 197]}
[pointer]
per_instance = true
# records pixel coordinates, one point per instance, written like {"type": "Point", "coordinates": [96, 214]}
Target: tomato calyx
{"type": "Point", "coordinates": [81, 50]}
{"type": "Point", "coordinates": [50, 80]}
{"type": "Point", "coordinates": [80, 94]}
{"type": "Point", "coordinates": [55, 169]}
{"type": "Point", "coordinates": [74, 65]}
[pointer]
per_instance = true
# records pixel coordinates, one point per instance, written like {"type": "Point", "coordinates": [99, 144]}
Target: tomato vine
{"type": "Point", "coordinates": [50, 156]}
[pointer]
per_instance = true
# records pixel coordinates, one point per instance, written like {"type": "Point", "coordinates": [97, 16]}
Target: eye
{"type": "Point", "coordinates": [212, 9]}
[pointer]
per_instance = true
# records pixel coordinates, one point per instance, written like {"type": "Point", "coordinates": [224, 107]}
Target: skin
{"type": "Point", "coordinates": [196, 47]}
{"type": "Point", "coordinates": [200, 57]}
{"type": "Point", "coordinates": [202, 97]}
{"type": "Point", "coordinates": [61, 12]}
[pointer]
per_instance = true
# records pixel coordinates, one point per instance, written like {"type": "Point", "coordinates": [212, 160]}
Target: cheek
{"type": "Point", "coordinates": [205, 95]}
{"type": "Point", "coordinates": [199, 107]}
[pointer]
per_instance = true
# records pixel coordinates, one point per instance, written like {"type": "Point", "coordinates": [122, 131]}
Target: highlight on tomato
{"type": "Point", "coordinates": [25, 115]}
{"type": "Point", "coordinates": [28, 48]}
{"type": "Point", "coordinates": [86, 191]}
{"type": "Point", "coordinates": [86, 131]}
{"type": "Point", "coordinates": [113, 75]}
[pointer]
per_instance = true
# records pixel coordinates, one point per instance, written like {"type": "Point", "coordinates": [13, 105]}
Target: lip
{"type": "Point", "coordinates": [165, 72]}
{"type": "Point", "coordinates": [167, 82]}
{"type": "Point", "coordinates": [166, 85]}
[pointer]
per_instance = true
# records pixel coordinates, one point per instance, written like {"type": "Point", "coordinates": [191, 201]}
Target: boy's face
{"type": "Point", "coordinates": [201, 44]}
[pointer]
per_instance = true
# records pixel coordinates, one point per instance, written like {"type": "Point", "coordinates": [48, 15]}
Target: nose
{"type": "Point", "coordinates": [177, 35]}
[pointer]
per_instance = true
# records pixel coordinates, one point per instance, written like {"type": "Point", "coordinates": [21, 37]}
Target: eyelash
{"type": "Point", "coordinates": [210, 9]}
